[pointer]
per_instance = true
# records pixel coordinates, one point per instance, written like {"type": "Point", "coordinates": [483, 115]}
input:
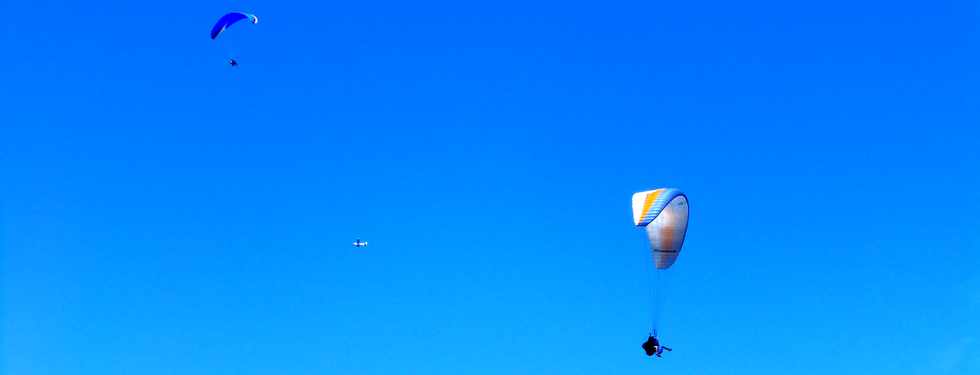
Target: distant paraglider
{"type": "Point", "coordinates": [227, 21]}
{"type": "Point", "coordinates": [663, 213]}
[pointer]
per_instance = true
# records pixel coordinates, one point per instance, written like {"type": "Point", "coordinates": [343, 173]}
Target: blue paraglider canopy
{"type": "Point", "coordinates": [229, 19]}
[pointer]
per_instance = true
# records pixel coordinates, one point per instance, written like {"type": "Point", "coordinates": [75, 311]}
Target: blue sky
{"type": "Point", "coordinates": [163, 213]}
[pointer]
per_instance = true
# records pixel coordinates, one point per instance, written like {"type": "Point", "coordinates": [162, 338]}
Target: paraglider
{"type": "Point", "coordinates": [230, 19]}
{"type": "Point", "coordinates": [663, 213]}
{"type": "Point", "coordinates": [653, 347]}
{"type": "Point", "coordinates": [359, 243]}
{"type": "Point", "coordinates": [227, 21]}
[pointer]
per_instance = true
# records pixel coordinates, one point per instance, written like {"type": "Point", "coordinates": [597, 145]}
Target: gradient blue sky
{"type": "Point", "coordinates": [163, 213]}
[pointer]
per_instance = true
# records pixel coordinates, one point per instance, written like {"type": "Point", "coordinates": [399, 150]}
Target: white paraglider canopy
{"type": "Point", "coordinates": [664, 213]}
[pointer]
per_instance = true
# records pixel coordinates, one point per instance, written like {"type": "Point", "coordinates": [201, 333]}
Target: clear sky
{"type": "Point", "coordinates": [164, 213]}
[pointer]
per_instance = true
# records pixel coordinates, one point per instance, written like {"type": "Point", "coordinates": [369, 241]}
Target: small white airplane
{"type": "Point", "coordinates": [359, 243]}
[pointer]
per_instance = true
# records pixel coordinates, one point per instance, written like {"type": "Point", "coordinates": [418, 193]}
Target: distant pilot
{"type": "Point", "coordinates": [653, 348]}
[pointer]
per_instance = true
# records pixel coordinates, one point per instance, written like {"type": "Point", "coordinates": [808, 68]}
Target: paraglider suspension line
{"type": "Point", "coordinates": [657, 288]}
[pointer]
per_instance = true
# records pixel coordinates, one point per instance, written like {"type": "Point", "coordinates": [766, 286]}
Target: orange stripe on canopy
{"type": "Point", "coordinates": [649, 202]}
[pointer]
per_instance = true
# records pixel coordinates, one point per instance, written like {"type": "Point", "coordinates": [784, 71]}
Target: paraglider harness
{"type": "Point", "coordinates": [652, 346]}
